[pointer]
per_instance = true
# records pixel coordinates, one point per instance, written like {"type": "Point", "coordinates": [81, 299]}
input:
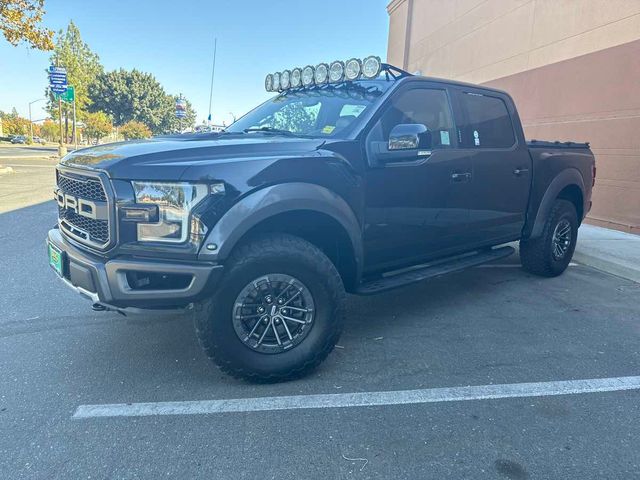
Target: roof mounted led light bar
{"type": "Point", "coordinates": [330, 73]}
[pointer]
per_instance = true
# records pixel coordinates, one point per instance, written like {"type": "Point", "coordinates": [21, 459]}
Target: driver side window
{"type": "Point", "coordinates": [423, 106]}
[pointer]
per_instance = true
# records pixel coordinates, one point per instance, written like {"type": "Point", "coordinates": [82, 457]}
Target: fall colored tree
{"type": "Point", "coordinates": [20, 22]}
{"type": "Point", "coordinates": [97, 125]}
{"type": "Point", "coordinates": [135, 130]}
{"type": "Point", "coordinates": [50, 130]}
{"type": "Point", "coordinates": [14, 124]}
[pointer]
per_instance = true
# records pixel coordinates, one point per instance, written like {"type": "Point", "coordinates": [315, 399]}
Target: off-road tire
{"type": "Point", "coordinates": [264, 255]}
{"type": "Point", "coordinates": [536, 255]}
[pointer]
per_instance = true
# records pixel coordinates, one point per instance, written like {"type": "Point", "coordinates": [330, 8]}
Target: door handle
{"type": "Point", "coordinates": [519, 171]}
{"type": "Point", "coordinates": [460, 177]}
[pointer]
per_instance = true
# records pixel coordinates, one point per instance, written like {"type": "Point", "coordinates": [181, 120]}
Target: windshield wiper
{"type": "Point", "coordinates": [276, 131]}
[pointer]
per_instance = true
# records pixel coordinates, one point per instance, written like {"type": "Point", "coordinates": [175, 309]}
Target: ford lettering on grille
{"type": "Point", "coordinates": [83, 210]}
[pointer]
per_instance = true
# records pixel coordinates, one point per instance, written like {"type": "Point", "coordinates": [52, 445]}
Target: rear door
{"type": "Point", "coordinates": [500, 162]}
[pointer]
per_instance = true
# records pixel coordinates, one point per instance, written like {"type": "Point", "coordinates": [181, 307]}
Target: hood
{"type": "Point", "coordinates": [169, 158]}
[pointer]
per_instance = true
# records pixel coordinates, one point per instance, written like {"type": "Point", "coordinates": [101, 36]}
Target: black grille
{"type": "Point", "coordinates": [98, 230]}
{"type": "Point", "coordinates": [94, 232]}
{"type": "Point", "coordinates": [90, 189]}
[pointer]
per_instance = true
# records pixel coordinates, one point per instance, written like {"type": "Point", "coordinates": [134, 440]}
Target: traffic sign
{"type": "Point", "coordinates": [68, 95]}
{"type": "Point", "coordinates": [58, 79]}
{"type": "Point", "coordinates": [181, 108]}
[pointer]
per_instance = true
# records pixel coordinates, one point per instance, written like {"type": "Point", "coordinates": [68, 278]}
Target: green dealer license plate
{"type": "Point", "coordinates": [56, 260]}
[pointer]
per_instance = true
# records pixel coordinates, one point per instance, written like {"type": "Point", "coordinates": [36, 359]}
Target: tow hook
{"type": "Point", "coordinates": [97, 307]}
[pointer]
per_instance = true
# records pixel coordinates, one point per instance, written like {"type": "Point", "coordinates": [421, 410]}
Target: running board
{"type": "Point", "coordinates": [433, 270]}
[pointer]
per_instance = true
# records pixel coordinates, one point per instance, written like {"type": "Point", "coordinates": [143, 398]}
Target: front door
{"type": "Point", "coordinates": [417, 199]}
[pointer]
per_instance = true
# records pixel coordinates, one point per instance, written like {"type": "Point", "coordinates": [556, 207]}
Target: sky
{"type": "Point", "coordinates": [173, 40]}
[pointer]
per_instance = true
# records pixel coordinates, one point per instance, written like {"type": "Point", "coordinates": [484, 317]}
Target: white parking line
{"type": "Point", "coordinates": [363, 399]}
{"type": "Point", "coordinates": [510, 265]}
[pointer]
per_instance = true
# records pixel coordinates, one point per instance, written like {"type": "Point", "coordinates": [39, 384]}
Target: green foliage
{"type": "Point", "coordinates": [83, 66]}
{"type": "Point", "coordinates": [295, 117]}
{"type": "Point", "coordinates": [20, 22]}
{"type": "Point", "coordinates": [97, 125]}
{"type": "Point", "coordinates": [135, 95]}
{"type": "Point", "coordinates": [135, 130]}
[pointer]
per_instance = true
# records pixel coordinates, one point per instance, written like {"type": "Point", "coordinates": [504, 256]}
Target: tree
{"type": "Point", "coordinates": [14, 124]}
{"type": "Point", "coordinates": [19, 22]}
{"type": "Point", "coordinates": [82, 65]}
{"type": "Point", "coordinates": [97, 125]}
{"type": "Point", "coordinates": [49, 130]}
{"type": "Point", "coordinates": [135, 95]}
{"type": "Point", "coordinates": [134, 130]}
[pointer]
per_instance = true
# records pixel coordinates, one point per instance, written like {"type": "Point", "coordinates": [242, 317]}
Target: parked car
{"type": "Point", "coordinates": [39, 140]}
{"type": "Point", "coordinates": [356, 186]}
{"type": "Point", "coordinates": [19, 139]}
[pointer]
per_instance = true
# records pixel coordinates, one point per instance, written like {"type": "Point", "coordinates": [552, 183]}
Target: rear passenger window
{"type": "Point", "coordinates": [488, 122]}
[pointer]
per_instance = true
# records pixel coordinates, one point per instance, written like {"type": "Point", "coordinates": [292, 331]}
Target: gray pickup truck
{"type": "Point", "coordinates": [355, 177]}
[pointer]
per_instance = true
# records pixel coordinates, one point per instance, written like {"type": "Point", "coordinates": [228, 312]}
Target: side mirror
{"type": "Point", "coordinates": [406, 136]}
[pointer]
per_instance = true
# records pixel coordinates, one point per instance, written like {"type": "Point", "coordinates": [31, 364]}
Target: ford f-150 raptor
{"type": "Point", "coordinates": [355, 177]}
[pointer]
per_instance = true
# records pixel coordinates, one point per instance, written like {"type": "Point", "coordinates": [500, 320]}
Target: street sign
{"type": "Point", "coordinates": [181, 108]}
{"type": "Point", "coordinates": [57, 79]}
{"type": "Point", "coordinates": [68, 95]}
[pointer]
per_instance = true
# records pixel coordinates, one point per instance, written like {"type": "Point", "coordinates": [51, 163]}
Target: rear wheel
{"type": "Point", "coordinates": [550, 254]}
{"type": "Point", "coordinates": [278, 312]}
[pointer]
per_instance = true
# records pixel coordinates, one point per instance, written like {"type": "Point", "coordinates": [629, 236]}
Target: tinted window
{"type": "Point", "coordinates": [429, 107]}
{"type": "Point", "coordinates": [488, 122]}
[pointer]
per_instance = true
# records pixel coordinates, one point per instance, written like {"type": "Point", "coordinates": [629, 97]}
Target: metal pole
{"type": "Point", "coordinates": [75, 130]}
{"type": "Point", "coordinates": [30, 123]}
{"type": "Point", "coordinates": [213, 71]}
{"type": "Point", "coordinates": [62, 150]}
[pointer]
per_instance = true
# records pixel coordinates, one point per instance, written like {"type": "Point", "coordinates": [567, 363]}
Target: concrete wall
{"type": "Point", "coordinates": [573, 67]}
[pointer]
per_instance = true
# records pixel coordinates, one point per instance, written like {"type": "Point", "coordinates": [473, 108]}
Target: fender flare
{"type": "Point", "coordinates": [273, 200]}
{"type": "Point", "coordinates": [565, 178]}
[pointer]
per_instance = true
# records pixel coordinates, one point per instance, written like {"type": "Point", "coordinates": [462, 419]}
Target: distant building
{"type": "Point", "coordinates": [572, 66]}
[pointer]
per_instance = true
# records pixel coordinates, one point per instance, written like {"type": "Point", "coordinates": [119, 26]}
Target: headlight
{"type": "Point", "coordinates": [352, 69]}
{"type": "Point", "coordinates": [371, 67]}
{"type": "Point", "coordinates": [296, 78]}
{"type": "Point", "coordinates": [322, 73]}
{"type": "Point", "coordinates": [307, 76]}
{"type": "Point", "coordinates": [175, 202]}
{"type": "Point", "coordinates": [336, 71]}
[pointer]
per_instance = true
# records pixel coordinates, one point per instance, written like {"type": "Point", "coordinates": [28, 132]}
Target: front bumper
{"type": "Point", "coordinates": [107, 281]}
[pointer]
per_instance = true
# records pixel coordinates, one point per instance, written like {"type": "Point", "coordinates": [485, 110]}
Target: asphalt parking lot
{"type": "Point", "coordinates": [490, 326]}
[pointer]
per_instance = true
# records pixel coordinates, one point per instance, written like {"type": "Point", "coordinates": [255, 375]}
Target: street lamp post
{"type": "Point", "coordinates": [30, 122]}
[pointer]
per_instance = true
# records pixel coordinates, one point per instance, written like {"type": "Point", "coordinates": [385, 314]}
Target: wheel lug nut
{"type": "Point", "coordinates": [260, 309]}
{"type": "Point", "coordinates": [280, 301]}
{"type": "Point", "coordinates": [268, 299]}
{"type": "Point", "coordinates": [283, 311]}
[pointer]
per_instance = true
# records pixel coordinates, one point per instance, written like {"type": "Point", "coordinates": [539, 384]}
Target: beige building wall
{"type": "Point", "coordinates": [572, 66]}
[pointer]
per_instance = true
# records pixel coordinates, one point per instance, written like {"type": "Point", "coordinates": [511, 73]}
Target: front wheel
{"type": "Point", "coordinates": [278, 312]}
{"type": "Point", "coordinates": [550, 254]}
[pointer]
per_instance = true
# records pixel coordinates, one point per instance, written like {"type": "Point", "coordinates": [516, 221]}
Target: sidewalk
{"type": "Point", "coordinates": [608, 250]}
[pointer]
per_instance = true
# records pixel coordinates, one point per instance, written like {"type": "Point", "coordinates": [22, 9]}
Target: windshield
{"type": "Point", "coordinates": [327, 111]}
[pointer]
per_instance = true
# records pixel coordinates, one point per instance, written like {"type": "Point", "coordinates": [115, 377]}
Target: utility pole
{"type": "Point", "coordinates": [213, 71]}
{"type": "Point", "coordinates": [30, 121]}
{"type": "Point", "coordinates": [75, 130]}
{"type": "Point", "coordinates": [62, 149]}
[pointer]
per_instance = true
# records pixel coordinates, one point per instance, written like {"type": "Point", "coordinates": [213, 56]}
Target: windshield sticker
{"type": "Point", "coordinates": [328, 129]}
{"type": "Point", "coordinates": [444, 137]}
{"type": "Point", "coordinates": [476, 137]}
